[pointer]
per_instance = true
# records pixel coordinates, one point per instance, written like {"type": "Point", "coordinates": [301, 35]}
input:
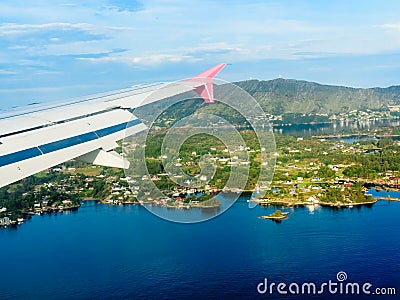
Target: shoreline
{"type": "Point", "coordinates": [332, 121]}
{"type": "Point", "coordinates": [262, 202]}
{"type": "Point", "coordinates": [340, 204]}
{"type": "Point", "coordinates": [273, 218]}
{"type": "Point", "coordinates": [291, 203]}
{"type": "Point", "coordinates": [387, 199]}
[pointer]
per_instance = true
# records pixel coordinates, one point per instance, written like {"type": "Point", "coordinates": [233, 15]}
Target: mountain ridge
{"type": "Point", "coordinates": [290, 101]}
{"type": "Point", "coordinates": [278, 96]}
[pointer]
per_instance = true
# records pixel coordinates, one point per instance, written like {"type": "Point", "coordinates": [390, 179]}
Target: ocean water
{"type": "Point", "coordinates": [334, 127]}
{"type": "Point", "coordinates": [117, 252]}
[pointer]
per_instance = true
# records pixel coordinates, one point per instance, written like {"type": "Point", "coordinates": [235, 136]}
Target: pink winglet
{"type": "Point", "coordinates": [205, 80]}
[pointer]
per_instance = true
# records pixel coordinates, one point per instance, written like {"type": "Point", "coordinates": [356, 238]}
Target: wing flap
{"type": "Point", "coordinates": [104, 158]}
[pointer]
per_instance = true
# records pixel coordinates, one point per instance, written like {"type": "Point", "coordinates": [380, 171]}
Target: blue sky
{"type": "Point", "coordinates": [52, 50]}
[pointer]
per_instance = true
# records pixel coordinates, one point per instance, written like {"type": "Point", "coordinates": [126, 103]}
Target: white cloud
{"type": "Point", "coordinates": [70, 48]}
{"type": "Point", "coordinates": [7, 72]}
{"type": "Point", "coordinates": [51, 35]}
{"type": "Point", "coordinates": [153, 59]}
{"type": "Point", "coordinates": [16, 29]}
{"type": "Point", "coordinates": [395, 26]}
{"type": "Point", "coordinates": [167, 31]}
{"type": "Point", "coordinates": [8, 29]}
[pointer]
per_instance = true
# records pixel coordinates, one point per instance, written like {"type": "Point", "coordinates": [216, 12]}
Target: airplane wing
{"type": "Point", "coordinates": [87, 129]}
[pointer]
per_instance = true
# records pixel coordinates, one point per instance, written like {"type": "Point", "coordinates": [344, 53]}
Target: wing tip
{"type": "Point", "coordinates": [205, 87]}
{"type": "Point", "coordinates": [212, 72]}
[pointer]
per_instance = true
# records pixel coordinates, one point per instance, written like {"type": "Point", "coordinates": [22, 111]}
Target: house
{"type": "Point", "coordinates": [67, 202]}
{"type": "Point", "coordinates": [294, 151]}
{"type": "Point", "coordinates": [214, 189]}
{"type": "Point", "coordinates": [5, 221]}
{"type": "Point", "coordinates": [312, 200]}
{"type": "Point", "coordinates": [334, 168]}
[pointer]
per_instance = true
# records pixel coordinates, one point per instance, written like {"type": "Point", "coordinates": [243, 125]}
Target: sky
{"type": "Point", "coordinates": [58, 49]}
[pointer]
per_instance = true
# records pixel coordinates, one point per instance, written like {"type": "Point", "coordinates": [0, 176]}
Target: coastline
{"type": "Point", "coordinates": [262, 202]}
{"type": "Point", "coordinates": [292, 203]}
{"type": "Point", "coordinates": [285, 202]}
{"type": "Point", "coordinates": [340, 204]}
{"type": "Point", "coordinates": [273, 218]}
{"type": "Point", "coordinates": [387, 199]}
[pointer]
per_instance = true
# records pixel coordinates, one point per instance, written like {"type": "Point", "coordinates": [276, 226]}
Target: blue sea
{"type": "Point", "coordinates": [335, 127]}
{"type": "Point", "coordinates": [117, 252]}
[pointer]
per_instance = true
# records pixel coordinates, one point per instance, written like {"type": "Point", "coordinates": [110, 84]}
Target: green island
{"type": "Point", "coordinates": [276, 216]}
